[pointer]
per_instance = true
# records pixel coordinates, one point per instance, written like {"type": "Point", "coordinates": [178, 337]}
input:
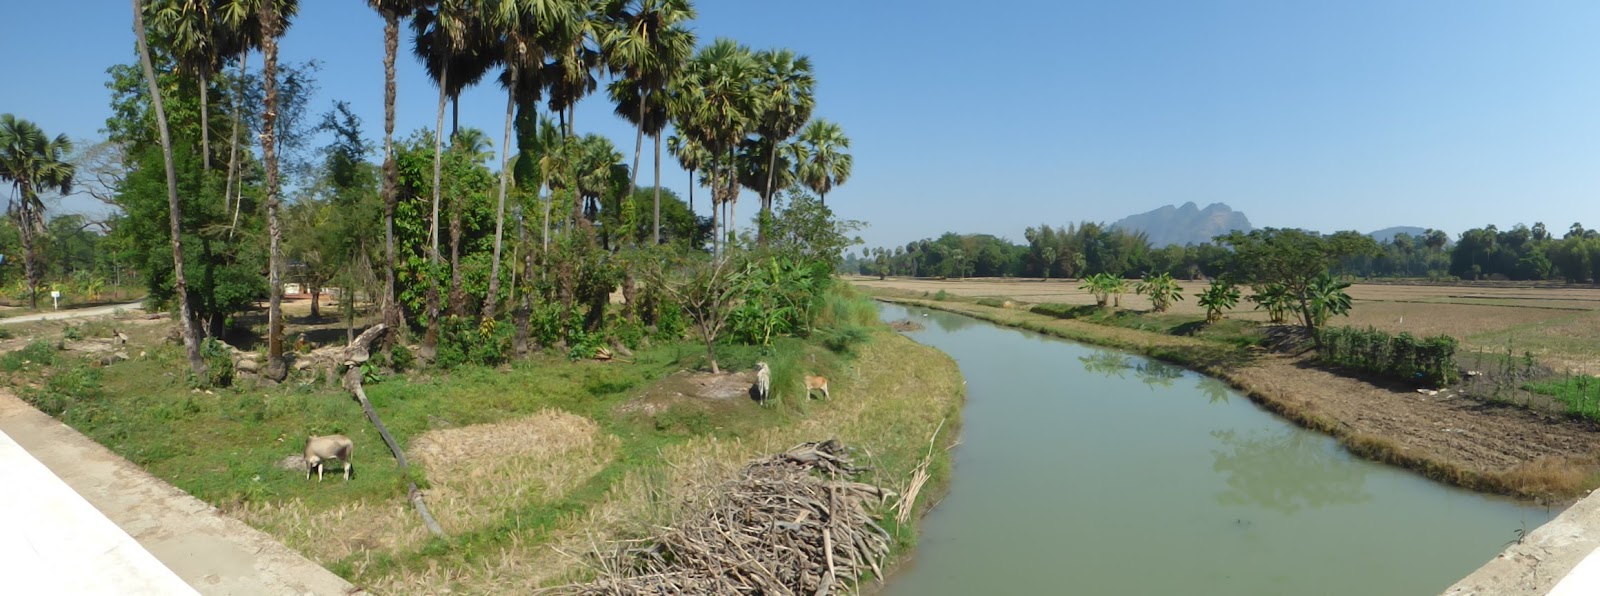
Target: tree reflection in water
{"type": "Point", "coordinates": [947, 322]}
{"type": "Point", "coordinates": [1107, 364]}
{"type": "Point", "coordinates": [1158, 374]}
{"type": "Point", "coordinates": [1286, 472]}
{"type": "Point", "coordinates": [1216, 391]}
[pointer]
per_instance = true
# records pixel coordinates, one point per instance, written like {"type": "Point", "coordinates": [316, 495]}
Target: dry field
{"type": "Point", "coordinates": [1559, 325]}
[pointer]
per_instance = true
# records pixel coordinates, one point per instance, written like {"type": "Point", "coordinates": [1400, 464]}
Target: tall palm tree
{"type": "Point", "coordinates": [447, 39]}
{"type": "Point", "coordinates": [718, 106]}
{"type": "Point", "coordinates": [32, 162]}
{"type": "Point", "coordinates": [691, 156]}
{"type": "Point", "coordinates": [648, 45]}
{"type": "Point", "coordinates": [188, 26]}
{"type": "Point", "coordinates": [827, 164]}
{"type": "Point", "coordinates": [391, 11]}
{"type": "Point", "coordinates": [518, 25]}
{"type": "Point", "coordinates": [273, 18]}
{"type": "Point", "coordinates": [786, 84]}
{"type": "Point", "coordinates": [187, 325]}
{"type": "Point", "coordinates": [569, 76]}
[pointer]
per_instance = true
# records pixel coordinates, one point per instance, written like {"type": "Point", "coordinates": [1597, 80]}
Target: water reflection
{"type": "Point", "coordinates": [1285, 471]}
{"type": "Point", "coordinates": [1216, 392]}
{"type": "Point", "coordinates": [947, 322]}
{"type": "Point", "coordinates": [1158, 374]}
{"type": "Point", "coordinates": [1107, 364]}
{"type": "Point", "coordinates": [1150, 372]}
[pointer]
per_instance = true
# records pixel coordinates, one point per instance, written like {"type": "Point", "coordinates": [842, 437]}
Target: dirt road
{"type": "Point", "coordinates": [213, 553]}
{"type": "Point", "coordinates": [76, 313]}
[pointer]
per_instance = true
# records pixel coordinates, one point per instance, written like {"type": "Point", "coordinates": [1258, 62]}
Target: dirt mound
{"type": "Point", "coordinates": [906, 325]}
{"type": "Point", "coordinates": [687, 387]}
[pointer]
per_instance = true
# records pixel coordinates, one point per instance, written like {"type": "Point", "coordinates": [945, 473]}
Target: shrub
{"type": "Point", "coordinates": [40, 352]}
{"type": "Point", "coordinates": [400, 358]}
{"type": "Point", "coordinates": [1162, 290]}
{"type": "Point", "coordinates": [464, 341]}
{"type": "Point", "coordinates": [1429, 360]}
{"type": "Point", "coordinates": [219, 364]}
{"type": "Point", "coordinates": [941, 296]}
{"type": "Point", "coordinates": [1220, 296]}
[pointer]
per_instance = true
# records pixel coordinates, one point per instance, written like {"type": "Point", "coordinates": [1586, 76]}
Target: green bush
{"type": "Point", "coordinates": [941, 296]}
{"type": "Point", "coordinates": [40, 352]}
{"type": "Point", "coordinates": [219, 364]}
{"type": "Point", "coordinates": [400, 358]}
{"type": "Point", "coordinates": [1429, 360]}
{"type": "Point", "coordinates": [462, 340]}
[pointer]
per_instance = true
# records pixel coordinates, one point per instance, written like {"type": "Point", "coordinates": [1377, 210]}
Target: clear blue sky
{"type": "Point", "coordinates": [992, 117]}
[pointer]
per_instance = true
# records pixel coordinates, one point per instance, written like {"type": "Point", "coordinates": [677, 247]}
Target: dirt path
{"type": "Point", "coordinates": [214, 553]}
{"type": "Point", "coordinates": [77, 313]}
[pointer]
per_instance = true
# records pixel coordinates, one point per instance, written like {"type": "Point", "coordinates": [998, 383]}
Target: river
{"type": "Point", "coordinates": [1089, 471]}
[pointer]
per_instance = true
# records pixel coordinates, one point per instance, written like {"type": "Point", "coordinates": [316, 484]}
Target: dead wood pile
{"type": "Point", "coordinates": [791, 523]}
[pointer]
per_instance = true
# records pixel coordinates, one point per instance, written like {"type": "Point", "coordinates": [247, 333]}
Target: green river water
{"type": "Point", "coordinates": [1090, 471]}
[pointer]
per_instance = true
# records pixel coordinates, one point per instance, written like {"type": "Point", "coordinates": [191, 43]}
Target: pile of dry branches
{"type": "Point", "coordinates": [791, 523]}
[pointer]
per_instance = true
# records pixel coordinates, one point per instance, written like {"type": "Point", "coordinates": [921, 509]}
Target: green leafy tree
{"type": "Point", "coordinates": [32, 163]}
{"type": "Point", "coordinates": [1328, 298]}
{"type": "Point", "coordinates": [1292, 259]}
{"type": "Point", "coordinates": [1219, 297]}
{"type": "Point", "coordinates": [187, 324]}
{"type": "Point", "coordinates": [705, 287]}
{"type": "Point", "coordinates": [1161, 289]}
{"type": "Point", "coordinates": [1274, 299]}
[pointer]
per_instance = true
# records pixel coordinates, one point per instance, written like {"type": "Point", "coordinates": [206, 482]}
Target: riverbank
{"type": "Point", "coordinates": [1463, 442]}
{"type": "Point", "coordinates": [532, 468]}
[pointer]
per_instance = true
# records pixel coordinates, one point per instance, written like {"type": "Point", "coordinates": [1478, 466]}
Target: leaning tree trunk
{"type": "Point", "coordinates": [391, 296]}
{"type": "Point", "coordinates": [633, 176]}
{"type": "Point", "coordinates": [180, 286]}
{"type": "Point", "coordinates": [22, 215]}
{"type": "Point", "coordinates": [233, 143]}
{"type": "Point", "coordinates": [430, 339]}
{"type": "Point", "coordinates": [276, 369]}
{"type": "Point", "coordinates": [493, 296]}
{"type": "Point", "coordinates": [357, 352]}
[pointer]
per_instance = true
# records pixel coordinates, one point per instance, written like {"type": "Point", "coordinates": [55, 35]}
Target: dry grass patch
{"type": "Point", "coordinates": [480, 472]}
{"type": "Point", "coordinates": [330, 535]}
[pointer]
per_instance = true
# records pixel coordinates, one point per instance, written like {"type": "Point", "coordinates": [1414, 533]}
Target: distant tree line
{"type": "Point", "coordinates": [1086, 249]}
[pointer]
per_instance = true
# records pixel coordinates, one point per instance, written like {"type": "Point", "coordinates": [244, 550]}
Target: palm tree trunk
{"type": "Point", "coordinates": [455, 115]}
{"type": "Point", "coordinates": [577, 191]}
{"type": "Point", "coordinates": [458, 299]}
{"type": "Point", "coordinates": [233, 141]}
{"type": "Point", "coordinates": [766, 197]}
{"type": "Point", "coordinates": [544, 240]}
{"type": "Point", "coordinates": [500, 211]}
{"type": "Point", "coordinates": [658, 187]}
{"type": "Point", "coordinates": [633, 176]}
{"type": "Point", "coordinates": [391, 302]}
{"type": "Point", "coordinates": [186, 324]}
{"type": "Point", "coordinates": [430, 339]}
{"type": "Point", "coordinates": [691, 191]}
{"type": "Point", "coordinates": [276, 368]}
{"type": "Point", "coordinates": [205, 121]}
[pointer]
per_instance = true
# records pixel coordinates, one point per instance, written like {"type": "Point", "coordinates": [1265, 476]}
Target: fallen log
{"type": "Point", "coordinates": [355, 353]}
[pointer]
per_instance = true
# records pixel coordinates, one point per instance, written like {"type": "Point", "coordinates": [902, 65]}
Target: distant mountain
{"type": "Point", "coordinates": [1186, 225]}
{"type": "Point", "coordinates": [1384, 236]}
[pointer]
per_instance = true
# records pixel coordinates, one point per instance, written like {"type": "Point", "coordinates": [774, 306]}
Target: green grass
{"type": "Point", "coordinates": [1580, 394]}
{"type": "Point", "coordinates": [223, 445]}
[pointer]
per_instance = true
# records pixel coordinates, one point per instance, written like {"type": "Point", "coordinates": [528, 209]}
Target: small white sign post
{"type": "Point", "coordinates": [55, 298]}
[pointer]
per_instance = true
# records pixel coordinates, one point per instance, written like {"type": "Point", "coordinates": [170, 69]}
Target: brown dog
{"type": "Point", "coordinates": [816, 383]}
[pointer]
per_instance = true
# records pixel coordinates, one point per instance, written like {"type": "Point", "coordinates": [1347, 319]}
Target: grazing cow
{"type": "Point", "coordinates": [763, 381]}
{"type": "Point", "coordinates": [816, 383]}
{"type": "Point", "coordinates": [321, 449]}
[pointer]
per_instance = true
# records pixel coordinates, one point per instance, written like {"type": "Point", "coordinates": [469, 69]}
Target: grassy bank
{"type": "Point", "coordinates": [1229, 352]}
{"type": "Point", "coordinates": [528, 467]}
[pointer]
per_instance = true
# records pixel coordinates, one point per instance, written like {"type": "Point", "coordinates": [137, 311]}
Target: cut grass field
{"type": "Point", "coordinates": [529, 467]}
